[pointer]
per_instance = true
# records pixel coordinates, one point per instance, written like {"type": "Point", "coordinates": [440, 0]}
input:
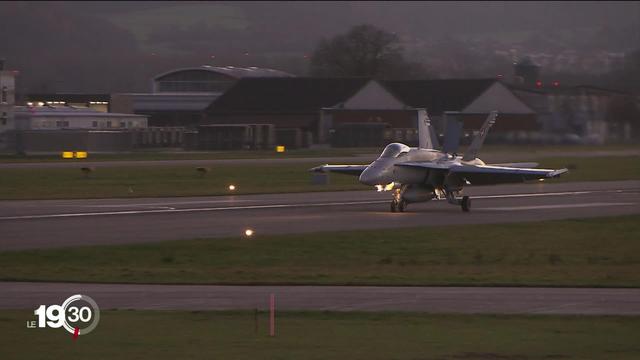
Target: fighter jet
{"type": "Point", "coordinates": [421, 174]}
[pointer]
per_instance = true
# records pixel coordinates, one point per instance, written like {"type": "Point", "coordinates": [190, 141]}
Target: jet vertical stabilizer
{"type": "Point", "coordinates": [478, 140]}
{"type": "Point", "coordinates": [427, 137]}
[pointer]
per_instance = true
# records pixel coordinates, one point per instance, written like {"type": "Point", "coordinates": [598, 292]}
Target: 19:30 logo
{"type": "Point", "coordinates": [79, 315]}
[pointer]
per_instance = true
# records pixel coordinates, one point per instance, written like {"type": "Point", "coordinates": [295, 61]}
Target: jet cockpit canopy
{"type": "Point", "coordinates": [393, 150]}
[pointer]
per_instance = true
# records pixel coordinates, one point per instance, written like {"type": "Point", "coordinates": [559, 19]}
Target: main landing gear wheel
{"type": "Point", "coordinates": [465, 204]}
{"type": "Point", "coordinates": [394, 205]}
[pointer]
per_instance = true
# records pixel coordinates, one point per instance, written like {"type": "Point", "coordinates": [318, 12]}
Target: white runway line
{"type": "Point", "coordinates": [164, 204]}
{"type": "Point", "coordinates": [130, 212]}
{"type": "Point", "coordinates": [300, 205]}
{"type": "Point", "coordinates": [543, 207]}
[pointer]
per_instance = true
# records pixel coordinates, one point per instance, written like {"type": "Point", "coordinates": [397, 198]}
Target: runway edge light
{"type": "Point", "coordinates": [280, 148]}
{"type": "Point", "coordinates": [81, 154]}
{"type": "Point", "coordinates": [67, 154]}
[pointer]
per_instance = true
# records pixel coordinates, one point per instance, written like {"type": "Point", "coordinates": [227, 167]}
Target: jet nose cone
{"type": "Point", "coordinates": [368, 177]}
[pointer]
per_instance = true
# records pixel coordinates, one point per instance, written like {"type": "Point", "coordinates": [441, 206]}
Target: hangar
{"type": "Point", "coordinates": [179, 96]}
{"type": "Point", "coordinates": [362, 111]}
{"type": "Point", "coordinates": [292, 105]}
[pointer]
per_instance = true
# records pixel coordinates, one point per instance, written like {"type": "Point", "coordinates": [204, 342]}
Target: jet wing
{"type": "Point", "coordinates": [424, 165]}
{"type": "Point", "coordinates": [518, 165]}
{"type": "Point", "coordinates": [355, 170]}
{"type": "Point", "coordinates": [491, 174]}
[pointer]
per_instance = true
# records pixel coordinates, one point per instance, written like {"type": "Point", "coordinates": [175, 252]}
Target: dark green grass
{"type": "Point", "coordinates": [191, 155]}
{"type": "Point", "coordinates": [144, 181]}
{"type": "Point", "coordinates": [595, 168]}
{"type": "Point", "coordinates": [55, 183]}
{"type": "Point", "coordinates": [326, 335]}
{"type": "Point", "coordinates": [588, 252]}
{"type": "Point", "coordinates": [150, 155]}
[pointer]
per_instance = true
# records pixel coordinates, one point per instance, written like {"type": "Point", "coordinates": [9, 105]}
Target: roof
{"type": "Point", "coordinates": [66, 111]}
{"type": "Point", "coordinates": [438, 96]}
{"type": "Point", "coordinates": [286, 95]}
{"type": "Point", "coordinates": [232, 71]}
{"type": "Point", "coordinates": [578, 89]}
{"type": "Point", "coordinates": [68, 97]}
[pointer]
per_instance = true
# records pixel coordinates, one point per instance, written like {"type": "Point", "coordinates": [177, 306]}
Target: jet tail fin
{"type": "Point", "coordinates": [478, 140]}
{"type": "Point", "coordinates": [427, 137]}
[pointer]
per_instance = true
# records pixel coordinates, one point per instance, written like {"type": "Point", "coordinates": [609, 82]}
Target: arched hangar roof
{"type": "Point", "coordinates": [230, 71]}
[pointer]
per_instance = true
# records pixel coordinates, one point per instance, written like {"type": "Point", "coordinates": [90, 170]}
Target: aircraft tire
{"type": "Point", "coordinates": [402, 205]}
{"type": "Point", "coordinates": [394, 205]}
{"type": "Point", "coordinates": [466, 204]}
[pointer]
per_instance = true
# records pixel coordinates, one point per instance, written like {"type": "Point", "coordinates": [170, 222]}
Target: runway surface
{"type": "Point", "coordinates": [57, 223]}
{"type": "Point", "coordinates": [468, 300]}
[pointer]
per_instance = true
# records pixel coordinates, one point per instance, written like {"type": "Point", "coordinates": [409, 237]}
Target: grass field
{"type": "Point", "coordinates": [589, 252]}
{"type": "Point", "coordinates": [55, 183]}
{"type": "Point", "coordinates": [325, 335]}
{"type": "Point", "coordinates": [192, 155]}
{"type": "Point", "coordinates": [150, 155]}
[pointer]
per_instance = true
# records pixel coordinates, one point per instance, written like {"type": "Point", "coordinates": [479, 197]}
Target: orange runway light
{"type": "Point", "coordinates": [67, 154]}
{"type": "Point", "coordinates": [81, 154]}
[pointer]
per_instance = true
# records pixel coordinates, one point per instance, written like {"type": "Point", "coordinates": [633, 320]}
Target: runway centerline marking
{"type": "Point", "coordinates": [279, 206]}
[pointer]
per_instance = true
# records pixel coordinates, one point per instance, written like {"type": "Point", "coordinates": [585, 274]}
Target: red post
{"type": "Point", "coordinates": [272, 315]}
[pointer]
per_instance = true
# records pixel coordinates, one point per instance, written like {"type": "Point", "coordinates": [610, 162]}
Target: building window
{"type": "Point", "coordinates": [3, 119]}
{"type": "Point", "coordinates": [95, 124]}
{"type": "Point", "coordinates": [109, 123]}
{"type": "Point", "coordinates": [122, 124]}
{"type": "Point", "coordinates": [4, 94]}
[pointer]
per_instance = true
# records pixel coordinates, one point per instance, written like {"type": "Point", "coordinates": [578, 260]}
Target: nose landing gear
{"type": "Point", "coordinates": [398, 204]}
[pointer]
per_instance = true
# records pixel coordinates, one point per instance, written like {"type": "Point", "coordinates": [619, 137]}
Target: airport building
{"type": "Point", "coordinates": [53, 129]}
{"type": "Point", "coordinates": [7, 103]}
{"type": "Point", "coordinates": [99, 102]}
{"type": "Point", "coordinates": [69, 117]}
{"type": "Point", "coordinates": [179, 97]}
{"type": "Point", "coordinates": [362, 111]}
{"type": "Point", "coordinates": [584, 114]}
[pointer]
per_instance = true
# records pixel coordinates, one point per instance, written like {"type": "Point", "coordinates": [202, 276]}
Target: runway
{"type": "Point", "coordinates": [465, 300]}
{"type": "Point", "coordinates": [58, 223]}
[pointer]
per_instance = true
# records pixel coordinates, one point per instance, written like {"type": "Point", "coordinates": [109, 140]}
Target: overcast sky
{"type": "Point", "coordinates": [87, 43]}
